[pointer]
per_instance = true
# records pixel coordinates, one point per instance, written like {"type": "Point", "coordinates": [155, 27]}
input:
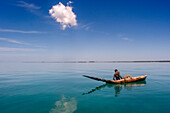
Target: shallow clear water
{"type": "Point", "coordinates": [56, 88]}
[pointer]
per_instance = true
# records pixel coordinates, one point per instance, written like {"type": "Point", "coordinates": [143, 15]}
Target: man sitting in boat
{"type": "Point", "coordinates": [117, 75]}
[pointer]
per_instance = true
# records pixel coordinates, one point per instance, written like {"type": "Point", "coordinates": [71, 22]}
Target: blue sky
{"type": "Point", "coordinates": [101, 30]}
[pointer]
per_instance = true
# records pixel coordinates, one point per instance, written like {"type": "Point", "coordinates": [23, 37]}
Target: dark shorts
{"type": "Point", "coordinates": [117, 78]}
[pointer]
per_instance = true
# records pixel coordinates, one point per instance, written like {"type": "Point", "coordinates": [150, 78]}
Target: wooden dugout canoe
{"type": "Point", "coordinates": [127, 80]}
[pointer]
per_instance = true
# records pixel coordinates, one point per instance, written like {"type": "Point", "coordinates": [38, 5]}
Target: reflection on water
{"type": "Point", "coordinates": [65, 105]}
{"type": "Point", "coordinates": [117, 87]}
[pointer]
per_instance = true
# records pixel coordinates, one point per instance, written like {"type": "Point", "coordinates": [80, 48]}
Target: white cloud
{"type": "Point", "coordinates": [32, 8]}
{"type": "Point", "coordinates": [64, 15]}
{"type": "Point", "coordinates": [121, 36]}
{"type": "Point", "coordinates": [127, 39]}
{"type": "Point", "coordinates": [84, 26]}
{"type": "Point", "coordinates": [12, 41]}
{"type": "Point", "coordinates": [18, 49]}
{"type": "Point", "coordinates": [19, 31]}
{"type": "Point", "coordinates": [27, 5]}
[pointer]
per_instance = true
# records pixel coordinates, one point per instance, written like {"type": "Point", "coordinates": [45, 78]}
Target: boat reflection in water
{"type": "Point", "coordinates": [118, 87]}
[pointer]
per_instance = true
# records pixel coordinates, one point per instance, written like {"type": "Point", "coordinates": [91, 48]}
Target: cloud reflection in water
{"type": "Point", "coordinates": [65, 105]}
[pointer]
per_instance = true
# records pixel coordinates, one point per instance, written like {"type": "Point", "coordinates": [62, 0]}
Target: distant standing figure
{"type": "Point", "coordinates": [117, 75]}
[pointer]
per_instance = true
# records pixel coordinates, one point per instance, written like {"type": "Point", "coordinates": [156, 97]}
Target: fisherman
{"type": "Point", "coordinates": [117, 75]}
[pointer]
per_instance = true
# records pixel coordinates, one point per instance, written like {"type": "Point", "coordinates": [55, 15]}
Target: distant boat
{"type": "Point", "coordinates": [127, 80]}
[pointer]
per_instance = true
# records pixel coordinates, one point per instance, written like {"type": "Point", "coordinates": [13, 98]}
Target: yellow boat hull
{"type": "Point", "coordinates": [127, 80]}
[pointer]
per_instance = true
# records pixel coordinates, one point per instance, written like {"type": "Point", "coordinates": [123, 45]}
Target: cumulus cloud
{"type": "Point", "coordinates": [64, 15]}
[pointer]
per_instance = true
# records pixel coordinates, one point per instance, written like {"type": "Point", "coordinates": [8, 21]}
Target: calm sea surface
{"type": "Point", "coordinates": [60, 88]}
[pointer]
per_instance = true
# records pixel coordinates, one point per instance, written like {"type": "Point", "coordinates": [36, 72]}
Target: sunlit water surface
{"type": "Point", "coordinates": [60, 88]}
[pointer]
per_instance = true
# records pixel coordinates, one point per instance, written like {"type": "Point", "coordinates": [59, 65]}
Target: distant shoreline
{"type": "Point", "coordinates": [161, 61]}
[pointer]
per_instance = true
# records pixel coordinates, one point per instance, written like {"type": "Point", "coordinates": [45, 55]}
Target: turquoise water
{"type": "Point", "coordinates": [60, 88]}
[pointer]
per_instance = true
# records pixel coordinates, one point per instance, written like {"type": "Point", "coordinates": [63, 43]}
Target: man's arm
{"type": "Point", "coordinates": [120, 75]}
{"type": "Point", "coordinates": [114, 77]}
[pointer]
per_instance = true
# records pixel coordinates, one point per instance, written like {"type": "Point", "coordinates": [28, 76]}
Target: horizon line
{"type": "Point", "coordinates": [135, 61]}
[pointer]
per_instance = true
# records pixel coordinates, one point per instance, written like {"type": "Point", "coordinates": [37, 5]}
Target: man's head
{"type": "Point", "coordinates": [116, 70]}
